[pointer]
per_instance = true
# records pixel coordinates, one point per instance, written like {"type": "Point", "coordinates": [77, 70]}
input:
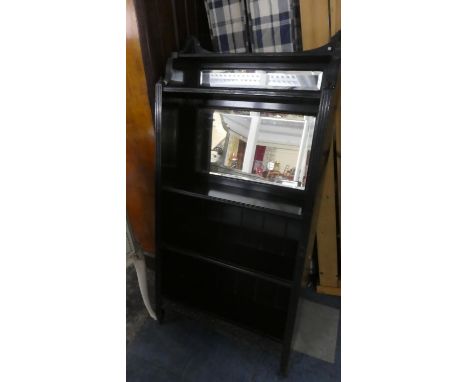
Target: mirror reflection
{"type": "Point", "coordinates": [262, 147]}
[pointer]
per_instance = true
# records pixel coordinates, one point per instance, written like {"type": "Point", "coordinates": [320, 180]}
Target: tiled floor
{"type": "Point", "coordinates": [189, 350]}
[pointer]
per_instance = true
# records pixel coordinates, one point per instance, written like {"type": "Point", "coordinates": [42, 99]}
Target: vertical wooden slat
{"type": "Point", "coordinates": [328, 219]}
{"type": "Point", "coordinates": [335, 23]}
{"type": "Point", "coordinates": [337, 122]}
{"type": "Point", "coordinates": [326, 228]}
{"type": "Point", "coordinates": [314, 23]}
{"type": "Point", "coordinates": [335, 20]}
{"type": "Point", "coordinates": [335, 16]}
{"type": "Point", "coordinates": [315, 26]}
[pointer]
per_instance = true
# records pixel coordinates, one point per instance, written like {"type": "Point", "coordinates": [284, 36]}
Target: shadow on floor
{"type": "Point", "coordinates": [183, 349]}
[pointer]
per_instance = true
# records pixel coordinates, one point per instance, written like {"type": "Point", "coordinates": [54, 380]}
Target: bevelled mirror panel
{"type": "Point", "coordinates": [261, 147]}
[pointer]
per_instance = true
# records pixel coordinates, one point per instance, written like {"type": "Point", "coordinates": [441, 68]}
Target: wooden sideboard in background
{"type": "Point", "coordinates": [140, 140]}
{"type": "Point", "coordinates": [320, 20]}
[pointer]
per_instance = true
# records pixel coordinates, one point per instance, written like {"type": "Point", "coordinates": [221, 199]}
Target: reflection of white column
{"type": "Point", "coordinates": [302, 155]}
{"type": "Point", "coordinates": [251, 142]}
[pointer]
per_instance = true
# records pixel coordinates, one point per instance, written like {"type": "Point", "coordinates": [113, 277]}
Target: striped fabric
{"type": "Point", "coordinates": [271, 25]}
{"type": "Point", "coordinates": [274, 25]}
{"type": "Point", "coordinates": [227, 22]}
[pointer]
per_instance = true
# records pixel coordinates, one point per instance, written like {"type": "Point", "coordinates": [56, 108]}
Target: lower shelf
{"type": "Point", "coordinates": [249, 302]}
{"type": "Point", "coordinates": [224, 264]}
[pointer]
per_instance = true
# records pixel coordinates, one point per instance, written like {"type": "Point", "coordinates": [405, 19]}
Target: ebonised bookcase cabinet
{"type": "Point", "coordinates": [232, 247]}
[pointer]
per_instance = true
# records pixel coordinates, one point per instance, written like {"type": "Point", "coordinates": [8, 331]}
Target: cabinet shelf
{"type": "Point", "coordinates": [222, 196]}
{"type": "Point", "coordinates": [228, 265]}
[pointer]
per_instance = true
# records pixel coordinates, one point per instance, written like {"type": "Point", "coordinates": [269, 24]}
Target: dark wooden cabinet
{"type": "Point", "coordinates": [233, 219]}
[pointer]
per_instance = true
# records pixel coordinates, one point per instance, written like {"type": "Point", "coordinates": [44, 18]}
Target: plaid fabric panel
{"type": "Point", "coordinates": [227, 23]}
{"type": "Point", "coordinates": [274, 25]}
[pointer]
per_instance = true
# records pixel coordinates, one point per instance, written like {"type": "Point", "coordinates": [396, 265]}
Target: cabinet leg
{"type": "Point", "coordinates": [284, 367]}
{"type": "Point", "coordinates": [160, 315]}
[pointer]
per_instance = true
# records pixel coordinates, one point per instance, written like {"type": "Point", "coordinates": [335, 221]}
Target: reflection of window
{"type": "Point", "coordinates": [264, 147]}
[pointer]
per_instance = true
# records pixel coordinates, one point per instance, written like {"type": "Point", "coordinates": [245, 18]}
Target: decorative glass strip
{"type": "Point", "coordinates": [261, 79]}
